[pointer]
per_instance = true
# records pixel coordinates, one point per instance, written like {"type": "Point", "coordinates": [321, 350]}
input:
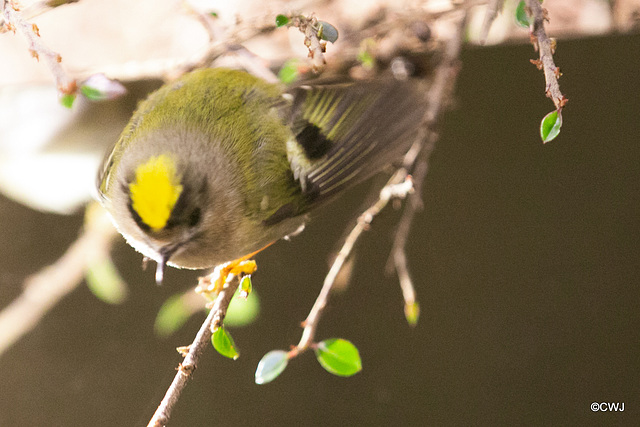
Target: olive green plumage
{"type": "Point", "coordinates": [246, 160]}
{"type": "Point", "coordinates": [233, 108]}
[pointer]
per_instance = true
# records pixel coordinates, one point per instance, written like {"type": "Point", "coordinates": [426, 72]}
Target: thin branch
{"type": "Point", "coordinates": [493, 8]}
{"type": "Point", "coordinates": [14, 20]}
{"type": "Point", "coordinates": [441, 90]}
{"type": "Point", "coordinates": [398, 258]}
{"type": "Point", "coordinates": [546, 47]}
{"type": "Point", "coordinates": [200, 343]}
{"type": "Point", "coordinates": [231, 40]}
{"type": "Point", "coordinates": [36, 9]}
{"type": "Point", "coordinates": [226, 41]}
{"type": "Point", "coordinates": [243, 57]}
{"type": "Point", "coordinates": [46, 288]}
{"type": "Point", "coordinates": [399, 185]}
{"type": "Point", "coordinates": [309, 27]}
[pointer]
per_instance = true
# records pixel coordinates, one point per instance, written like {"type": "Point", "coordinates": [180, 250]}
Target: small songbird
{"type": "Point", "coordinates": [220, 164]}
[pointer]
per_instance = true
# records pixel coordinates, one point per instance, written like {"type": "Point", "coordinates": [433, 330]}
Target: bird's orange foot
{"type": "Point", "coordinates": [210, 286]}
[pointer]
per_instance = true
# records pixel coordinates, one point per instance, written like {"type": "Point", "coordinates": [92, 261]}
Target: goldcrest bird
{"type": "Point", "coordinates": [220, 164]}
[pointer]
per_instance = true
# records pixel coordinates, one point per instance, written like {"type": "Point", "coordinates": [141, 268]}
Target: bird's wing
{"type": "Point", "coordinates": [345, 133]}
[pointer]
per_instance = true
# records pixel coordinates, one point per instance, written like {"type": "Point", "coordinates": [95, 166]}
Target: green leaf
{"type": "Point", "coordinates": [271, 365]}
{"type": "Point", "coordinates": [364, 55]}
{"type": "Point", "coordinates": [242, 311]}
{"type": "Point", "coordinates": [289, 72]}
{"type": "Point", "coordinates": [366, 59]}
{"type": "Point", "coordinates": [100, 88]}
{"type": "Point", "coordinates": [245, 286]}
{"type": "Point", "coordinates": [327, 32]}
{"type": "Point", "coordinates": [92, 93]}
{"type": "Point", "coordinates": [412, 313]}
{"type": "Point", "coordinates": [550, 126]}
{"type": "Point", "coordinates": [522, 18]}
{"type": "Point", "coordinates": [223, 343]}
{"type": "Point", "coordinates": [339, 357]}
{"type": "Point", "coordinates": [173, 314]}
{"type": "Point", "coordinates": [104, 281]}
{"type": "Point", "coordinates": [281, 20]}
{"type": "Point", "coordinates": [67, 100]}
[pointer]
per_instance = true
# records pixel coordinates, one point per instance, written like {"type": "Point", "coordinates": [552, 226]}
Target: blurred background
{"type": "Point", "coordinates": [525, 260]}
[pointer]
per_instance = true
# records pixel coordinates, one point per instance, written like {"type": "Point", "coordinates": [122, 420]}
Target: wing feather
{"type": "Point", "coordinates": [348, 132]}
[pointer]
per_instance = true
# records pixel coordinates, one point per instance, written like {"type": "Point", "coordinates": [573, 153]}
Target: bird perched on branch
{"type": "Point", "coordinates": [219, 164]}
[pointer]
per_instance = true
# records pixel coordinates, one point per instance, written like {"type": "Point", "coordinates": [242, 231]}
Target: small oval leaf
{"type": "Point", "coordinates": [290, 71]}
{"type": "Point", "coordinates": [100, 88]}
{"type": "Point", "coordinates": [365, 56]}
{"type": "Point", "coordinates": [281, 20]}
{"type": "Point", "coordinates": [243, 311]}
{"type": "Point", "coordinates": [223, 343]}
{"type": "Point", "coordinates": [67, 100]}
{"type": "Point", "coordinates": [327, 32]}
{"type": "Point", "coordinates": [105, 282]}
{"type": "Point", "coordinates": [339, 357]}
{"type": "Point", "coordinates": [271, 365]}
{"type": "Point", "coordinates": [91, 93]}
{"type": "Point", "coordinates": [550, 126]}
{"type": "Point", "coordinates": [522, 18]}
{"type": "Point", "coordinates": [245, 286]}
{"type": "Point", "coordinates": [173, 313]}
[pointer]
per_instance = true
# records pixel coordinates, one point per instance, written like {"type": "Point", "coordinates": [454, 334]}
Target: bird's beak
{"type": "Point", "coordinates": [160, 270]}
{"type": "Point", "coordinates": [165, 254]}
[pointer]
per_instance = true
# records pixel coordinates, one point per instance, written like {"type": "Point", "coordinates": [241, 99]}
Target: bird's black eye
{"type": "Point", "coordinates": [194, 218]}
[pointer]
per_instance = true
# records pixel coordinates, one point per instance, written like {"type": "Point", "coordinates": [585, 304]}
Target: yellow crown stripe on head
{"type": "Point", "coordinates": [155, 191]}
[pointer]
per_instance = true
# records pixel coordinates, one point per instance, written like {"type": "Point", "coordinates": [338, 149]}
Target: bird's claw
{"type": "Point", "coordinates": [211, 285]}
